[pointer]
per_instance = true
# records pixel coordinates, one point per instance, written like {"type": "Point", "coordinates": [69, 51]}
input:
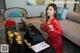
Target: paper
{"type": "Point", "coordinates": [40, 46]}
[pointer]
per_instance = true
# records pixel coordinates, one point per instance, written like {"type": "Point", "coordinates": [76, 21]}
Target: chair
{"type": "Point", "coordinates": [15, 13]}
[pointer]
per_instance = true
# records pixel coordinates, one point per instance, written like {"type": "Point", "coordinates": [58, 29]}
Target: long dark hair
{"type": "Point", "coordinates": [55, 8]}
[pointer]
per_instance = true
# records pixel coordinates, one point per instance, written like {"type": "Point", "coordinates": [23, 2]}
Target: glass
{"type": "Point", "coordinates": [42, 20]}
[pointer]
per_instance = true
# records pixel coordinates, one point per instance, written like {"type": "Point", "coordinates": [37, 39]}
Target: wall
{"type": "Point", "coordinates": [33, 10]}
{"type": "Point", "coordinates": [2, 5]}
{"type": "Point", "coordinates": [59, 4]}
{"type": "Point", "coordinates": [70, 6]}
{"type": "Point", "coordinates": [77, 8]}
{"type": "Point", "coordinates": [15, 3]}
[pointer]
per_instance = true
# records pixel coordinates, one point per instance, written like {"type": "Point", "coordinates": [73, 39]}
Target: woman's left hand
{"type": "Point", "coordinates": [51, 27]}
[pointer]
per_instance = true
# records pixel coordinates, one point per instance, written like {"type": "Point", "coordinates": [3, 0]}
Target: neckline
{"type": "Point", "coordinates": [50, 20]}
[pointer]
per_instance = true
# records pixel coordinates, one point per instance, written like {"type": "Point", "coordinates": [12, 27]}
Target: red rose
{"type": "Point", "coordinates": [10, 23]}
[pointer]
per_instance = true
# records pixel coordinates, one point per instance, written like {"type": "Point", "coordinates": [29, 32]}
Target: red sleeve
{"type": "Point", "coordinates": [57, 28]}
{"type": "Point", "coordinates": [45, 28]}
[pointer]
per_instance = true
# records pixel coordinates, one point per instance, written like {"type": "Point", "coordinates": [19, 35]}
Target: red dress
{"type": "Point", "coordinates": [55, 36]}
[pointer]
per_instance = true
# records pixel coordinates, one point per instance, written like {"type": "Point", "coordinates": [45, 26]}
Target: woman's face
{"type": "Point", "coordinates": [50, 11]}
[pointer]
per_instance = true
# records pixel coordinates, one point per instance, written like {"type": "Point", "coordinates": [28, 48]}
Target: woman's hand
{"type": "Point", "coordinates": [41, 25]}
{"type": "Point", "coordinates": [51, 27]}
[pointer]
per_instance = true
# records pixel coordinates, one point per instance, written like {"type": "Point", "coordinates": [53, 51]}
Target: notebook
{"type": "Point", "coordinates": [40, 46]}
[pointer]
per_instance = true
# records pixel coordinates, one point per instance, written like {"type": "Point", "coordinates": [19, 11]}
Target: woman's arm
{"type": "Point", "coordinates": [44, 27]}
{"type": "Point", "coordinates": [57, 28]}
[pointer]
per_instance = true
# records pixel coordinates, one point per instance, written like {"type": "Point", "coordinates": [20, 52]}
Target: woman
{"type": "Point", "coordinates": [52, 27]}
